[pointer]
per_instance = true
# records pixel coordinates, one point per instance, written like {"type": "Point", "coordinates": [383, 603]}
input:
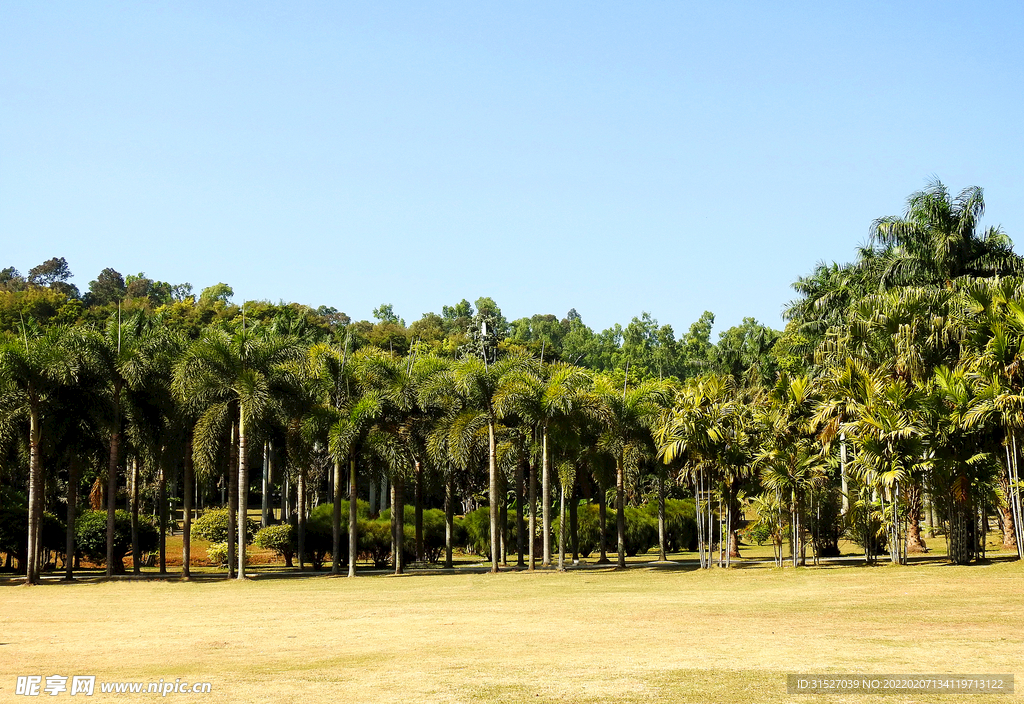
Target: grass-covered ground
{"type": "Point", "coordinates": [646, 634]}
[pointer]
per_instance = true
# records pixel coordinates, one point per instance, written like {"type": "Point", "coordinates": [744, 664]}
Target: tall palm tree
{"type": "Point", "coordinates": [706, 431]}
{"type": "Point", "coordinates": [937, 240]}
{"type": "Point", "coordinates": [472, 383]}
{"type": "Point", "coordinates": [629, 415]}
{"type": "Point", "coordinates": [992, 313]}
{"type": "Point", "coordinates": [963, 456]}
{"type": "Point", "coordinates": [125, 353]}
{"type": "Point", "coordinates": [545, 396]}
{"type": "Point", "coordinates": [33, 369]}
{"type": "Point", "coordinates": [241, 371]}
{"type": "Point", "coordinates": [890, 433]}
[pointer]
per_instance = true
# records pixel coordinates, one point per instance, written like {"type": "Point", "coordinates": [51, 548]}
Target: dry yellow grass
{"type": "Point", "coordinates": [591, 635]}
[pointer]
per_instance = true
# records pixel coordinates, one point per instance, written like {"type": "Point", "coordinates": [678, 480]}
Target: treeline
{"type": "Point", "coordinates": [893, 391]}
{"type": "Point", "coordinates": [45, 297]}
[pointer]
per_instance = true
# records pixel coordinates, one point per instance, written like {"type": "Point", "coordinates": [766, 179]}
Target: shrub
{"type": "Point", "coordinates": [477, 527]}
{"type": "Point", "coordinates": [759, 532]}
{"type": "Point", "coordinates": [641, 531]}
{"type": "Point", "coordinates": [281, 539]}
{"type": "Point", "coordinates": [213, 526]}
{"type": "Point", "coordinates": [680, 523]}
{"type": "Point", "coordinates": [91, 536]}
{"type": "Point", "coordinates": [217, 553]}
{"type": "Point", "coordinates": [375, 541]}
{"type": "Point", "coordinates": [14, 533]}
{"type": "Point", "coordinates": [588, 529]}
{"type": "Point", "coordinates": [433, 534]}
{"type": "Point", "coordinates": [320, 534]}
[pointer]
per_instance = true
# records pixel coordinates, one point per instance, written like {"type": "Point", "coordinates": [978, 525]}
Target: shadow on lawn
{"type": "Point", "coordinates": [264, 573]}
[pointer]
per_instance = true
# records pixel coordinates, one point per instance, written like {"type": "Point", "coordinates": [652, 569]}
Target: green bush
{"type": "Point", "coordinates": [217, 553]}
{"type": "Point", "coordinates": [14, 533]}
{"type": "Point", "coordinates": [375, 541]}
{"type": "Point", "coordinates": [588, 528]}
{"type": "Point", "coordinates": [320, 534]}
{"type": "Point", "coordinates": [641, 531]}
{"type": "Point", "coordinates": [759, 533]}
{"type": "Point", "coordinates": [433, 534]}
{"type": "Point", "coordinates": [281, 539]}
{"type": "Point", "coordinates": [213, 526]}
{"type": "Point", "coordinates": [477, 528]}
{"type": "Point", "coordinates": [680, 523]}
{"type": "Point", "coordinates": [91, 536]}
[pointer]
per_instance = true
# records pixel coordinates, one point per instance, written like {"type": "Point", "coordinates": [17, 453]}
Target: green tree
{"type": "Point", "coordinates": [32, 371]}
{"type": "Point", "coordinates": [241, 371]}
{"type": "Point", "coordinates": [629, 415]}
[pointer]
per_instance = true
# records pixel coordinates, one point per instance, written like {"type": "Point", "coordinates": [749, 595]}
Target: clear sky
{"type": "Point", "coordinates": [612, 157]}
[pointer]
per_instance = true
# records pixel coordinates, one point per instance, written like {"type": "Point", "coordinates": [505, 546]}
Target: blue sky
{"type": "Point", "coordinates": [612, 157]}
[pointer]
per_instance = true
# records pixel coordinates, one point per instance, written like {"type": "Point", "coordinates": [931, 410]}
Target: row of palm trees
{"type": "Point", "coordinates": [902, 381]}
{"type": "Point", "coordinates": [137, 386]}
{"type": "Point", "coordinates": [922, 395]}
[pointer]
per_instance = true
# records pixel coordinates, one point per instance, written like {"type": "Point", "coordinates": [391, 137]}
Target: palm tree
{"type": "Point", "coordinates": [220, 372]}
{"type": "Point", "coordinates": [471, 384]}
{"type": "Point", "coordinates": [963, 460]}
{"type": "Point", "coordinates": [33, 369]}
{"type": "Point", "coordinates": [992, 313]}
{"type": "Point", "coordinates": [629, 415]}
{"type": "Point", "coordinates": [890, 434]}
{"type": "Point", "coordinates": [936, 240]}
{"type": "Point", "coordinates": [844, 391]}
{"type": "Point", "coordinates": [700, 432]}
{"type": "Point", "coordinates": [124, 353]}
{"type": "Point", "coordinates": [555, 394]}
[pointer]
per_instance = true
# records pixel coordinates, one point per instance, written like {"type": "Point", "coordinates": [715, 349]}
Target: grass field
{"type": "Point", "coordinates": [664, 634]}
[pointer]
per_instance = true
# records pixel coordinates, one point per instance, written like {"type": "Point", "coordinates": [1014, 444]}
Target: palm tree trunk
{"type": "Point", "coordinates": [115, 452]}
{"type": "Point", "coordinates": [661, 519]}
{"type": "Point", "coordinates": [398, 516]}
{"type": "Point", "coordinates": [300, 509]}
{"type": "Point", "coordinates": [232, 498]}
{"type": "Point", "coordinates": [449, 518]}
{"type": "Point", "coordinates": [520, 527]}
{"type": "Point", "coordinates": [74, 472]}
{"type": "Point", "coordinates": [136, 567]}
{"type": "Point", "coordinates": [574, 533]}
{"type": "Point", "coordinates": [265, 489]}
{"type": "Point", "coordinates": [243, 491]}
{"type": "Point", "coordinates": [162, 499]}
{"type": "Point", "coordinates": [794, 547]}
{"type": "Point", "coordinates": [546, 499]}
{"type": "Point", "coordinates": [842, 470]}
{"type": "Point", "coordinates": [1015, 498]}
{"type": "Point", "coordinates": [1006, 511]}
{"type": "Point", "coordinates": [700, 516]}
{"type": "Point", "coordinates": [602, 514]}
{"type": "Point", "coordinates": [419, 513]}
{"type": "Point", "coordinates": [336, 520]}
{"type": "Point", "coordinates": [620, 505]}
{"type": "Point", "coordinates": [186, 526]}
{"type": "Point", "coordinates": [493, 495]}
{"type": "Point", "coordinates": [503, 518]}
{"type": "Point", "coordinates": [561, 528]}
{"type": "Point", "coordinates": [353, 517]}
{"type": "Point", "coordinates": [35, 490]}
{"type": "Point", "coordinates": [915, 543]}
{"type": "Point", "coordinates": [532, 565]}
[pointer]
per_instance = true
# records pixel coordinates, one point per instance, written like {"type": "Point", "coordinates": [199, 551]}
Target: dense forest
{"type": "Point", "coordinates": [894, 394]}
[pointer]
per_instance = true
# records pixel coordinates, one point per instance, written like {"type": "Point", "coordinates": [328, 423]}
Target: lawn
{"type": "Point", "coordinates": [646, 634]}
